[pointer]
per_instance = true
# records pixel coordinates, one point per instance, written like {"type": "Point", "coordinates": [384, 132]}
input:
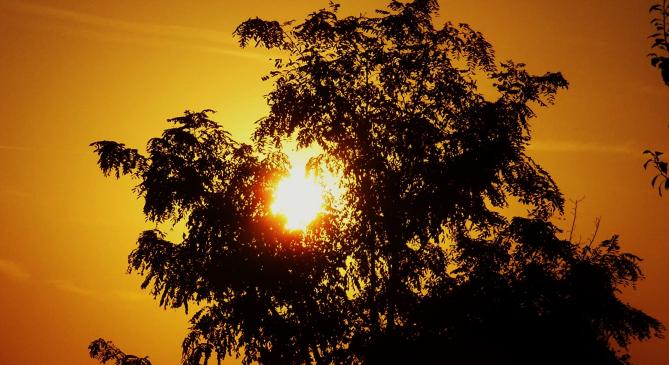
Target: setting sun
{"type": "Point", "coordinates": [298, 198]}
{"type": "Point", "coordinates": [340, 182]}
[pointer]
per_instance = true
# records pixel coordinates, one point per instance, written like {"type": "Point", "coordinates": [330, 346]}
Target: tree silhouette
{"type": "Point", "coordinates": [416, 262]}
{"type": "Point", "coordinates": [660, 59]}
{"type": "Point", "coordinates": [105, 351]}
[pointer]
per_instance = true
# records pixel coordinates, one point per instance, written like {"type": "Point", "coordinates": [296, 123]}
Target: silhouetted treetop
{"type": "Point", "coordinates": [659, 58]}
{"type": "Point", "coordinates": [106, 351]}
{"type": "Point", "coordinates": [416, 262]}
{"type": "Point", "coordinates": [396, 93]}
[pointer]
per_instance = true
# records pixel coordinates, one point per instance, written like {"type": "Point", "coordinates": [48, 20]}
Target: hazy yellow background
{"type": "Point", "coordinates": [72, 72]}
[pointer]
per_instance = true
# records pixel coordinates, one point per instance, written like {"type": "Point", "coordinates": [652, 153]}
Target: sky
{"type": "Point", "coordinates": [74, 72]}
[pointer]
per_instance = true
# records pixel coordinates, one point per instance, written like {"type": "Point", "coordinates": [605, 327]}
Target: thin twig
{"type": "Point", "coordinates": [573, 222]}
{"type": "Point", "coordinates": [598, 220]}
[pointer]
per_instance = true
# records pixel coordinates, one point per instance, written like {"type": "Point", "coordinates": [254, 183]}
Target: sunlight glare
{"type": "Point", "coordinates": [299, 198]}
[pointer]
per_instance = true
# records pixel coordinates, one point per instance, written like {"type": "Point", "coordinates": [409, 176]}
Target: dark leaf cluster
{"type": "Point", "coordinates": [660, 60]}
{"type": "Point", "coordinates": [660, 57]}
{"type": "Point", "coordinates": [105, 351]}
{"type": "Point", "coordinates": [661, 178]}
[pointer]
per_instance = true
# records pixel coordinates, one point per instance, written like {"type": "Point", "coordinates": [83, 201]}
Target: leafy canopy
{"type": "Point", "coordinates": [660, 56]}
{"type": "Point", "coordinates": [660, 59]}
{"type": "Point", "coordinates": [416, 262]}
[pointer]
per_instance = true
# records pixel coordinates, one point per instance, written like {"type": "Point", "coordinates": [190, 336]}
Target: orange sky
{"type": "Point", "coordinates": [73, 72]}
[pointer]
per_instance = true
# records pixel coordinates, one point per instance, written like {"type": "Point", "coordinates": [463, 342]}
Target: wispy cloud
{"type": "Point", "coordinates": [117, 30]}
{"type": "Point", "coordinates": [13, 148]}
{"type": "Point", "coordinates": [130, 296]}
{"type": "Point", "coordinates": [13, 270]}
{"type": "Point", "coordinates": [13, 192]}
{"type": "Point", "coordinates": [70, 287]}
{"type": "Point", "coordinates": [583, 146]}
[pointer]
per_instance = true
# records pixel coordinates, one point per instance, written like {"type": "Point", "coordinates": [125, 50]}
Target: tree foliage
{"type": "Point", "coordinates": [660, 59]}
{"type": "Point", "coordinates": [661, 178]}
{"type": "Point", "coordinates": [105, 351]}
{"type": "Point", "coordinates": [660, 56]}
{"type": "Point", "coordinates": [416, 263]}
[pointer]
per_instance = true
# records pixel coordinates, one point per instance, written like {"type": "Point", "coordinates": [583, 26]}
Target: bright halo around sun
{"type": "Point", "coordinates": [299, 198]}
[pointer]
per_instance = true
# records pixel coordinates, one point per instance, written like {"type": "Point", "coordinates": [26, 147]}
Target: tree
{"type": "Point", "coordinates": [416, 262]}
{"type": "Point", "coordinates": [659, 59]}
{"type": "Point", "coordinates": [660, 39]}
{"type": "Point", "coordinates": [105, 351]}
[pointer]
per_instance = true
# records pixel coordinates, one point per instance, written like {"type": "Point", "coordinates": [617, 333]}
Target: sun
{"type": "Point", "coordinates": [298, 198]}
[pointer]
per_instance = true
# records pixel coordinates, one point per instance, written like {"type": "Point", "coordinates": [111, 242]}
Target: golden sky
{"type": "Point", "coordinates": [73, 72]}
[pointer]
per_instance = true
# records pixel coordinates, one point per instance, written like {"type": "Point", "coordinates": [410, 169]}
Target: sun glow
{"type": "Point", "coordinates": [298, 198]}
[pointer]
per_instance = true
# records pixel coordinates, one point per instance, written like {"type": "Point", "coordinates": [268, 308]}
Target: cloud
{"type": "Point", "coordinates": [14, 148]}
{"type": "Point", "coordinates": [581, 146]}
{"type": "Point", "coordinates": [110, 29]}
{"type": "Point", "coordinates": [114, 295]}
{"type": "Point", "coordinates": [70, 287]}
{"type": "Point", "coordinates": [13, 270]}
{"type": "Point", "coordinates": [130, 296]}
{"type": "Point", "coordinates": [13, 192]}
{"type": "Point", "coordinates": [17, 272]}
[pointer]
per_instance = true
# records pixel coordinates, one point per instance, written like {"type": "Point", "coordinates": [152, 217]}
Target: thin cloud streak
{"type": "Point", "coordinates": [130, 296]}
{"type": "Point", "coordinates": [13, 270]}
{"type": "Point", "coordinates": [14, 148]}
{"type": "Point", "coordinates": [14, 193]}
{"type": "Point", "coordinates": [170, 31]}
{"type": "Point", "coordinates": [109, 29]}
{"type": "Point", "coordinates": [70, 287]}
{"type": "Point", "coordinates": [580, 146]}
